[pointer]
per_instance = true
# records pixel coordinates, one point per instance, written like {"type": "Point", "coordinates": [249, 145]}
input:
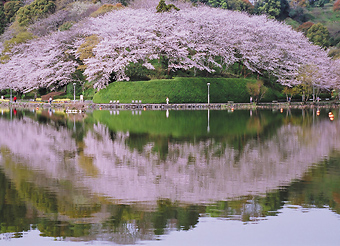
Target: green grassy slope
{"type": "Point", "coordinates": [180, 90]}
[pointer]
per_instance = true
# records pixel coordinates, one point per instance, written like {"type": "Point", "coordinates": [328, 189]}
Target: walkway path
{"type": "Point", "coordinates": [89, 105]}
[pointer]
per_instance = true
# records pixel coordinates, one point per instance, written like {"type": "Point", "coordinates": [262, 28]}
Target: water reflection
{"type": "Point", "coordinates": [124, 177]}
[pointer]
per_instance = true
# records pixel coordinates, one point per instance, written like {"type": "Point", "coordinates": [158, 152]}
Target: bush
{"type": "Point", "coordinates": [334, 53]}
{"type": "Point", "coordinates": [10, 9]}
{"type": "Point", "coordinates": [319, 35]}
{"type": "Point", "coordinates": [2, 19]}
{"type": "Point", "coordinates": [336, 6]}
{"type": "Point", "coordinates": [304, 27]}
{"type": "Point", "coordinates": [66, 26]}
{"type": "Point", "coordinates": [35, 10]}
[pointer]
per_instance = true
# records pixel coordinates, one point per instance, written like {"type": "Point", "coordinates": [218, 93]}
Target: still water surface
{"type": "Point", "coordinates": [170, 177]}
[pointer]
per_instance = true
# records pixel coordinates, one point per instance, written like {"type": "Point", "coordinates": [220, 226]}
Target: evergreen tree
{"type": "Point", "coordinates": [2, 19]}
{"type": "Point", "coordinates": [163, 7]}
{"type": "Point", "coordinates": [318, 34]}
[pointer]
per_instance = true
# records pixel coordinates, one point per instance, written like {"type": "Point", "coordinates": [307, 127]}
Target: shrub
{"type": "Point", "coordinates": [334, 53]}
{"type": "Point", "coordinates": [319, 35]}
{"type": "Point", "coordinates": [163, 7]}
{"type": "Point", "coordinates": [2, 19]}
{"type": "Point", "coordinates": [304, 27]}
{"type": "Point", "coordinates": [35, 10]}
{"type": "Point", "coordinates": [10, 9]}
{"type": "Point", "coordinates": [336, 6]}
{"type": "Point", "coordinates": [66, 26]}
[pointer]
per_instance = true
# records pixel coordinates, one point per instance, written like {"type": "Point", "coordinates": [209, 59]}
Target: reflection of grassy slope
{"type": "Point", "coordinates": [234, 129]}
{"type": "Point", "coordinates": [65, 198]}
{"type": "Point", "coordinates": [179, 90]}
{"type": "Point", "coordinates": [187, 124]}
{"type": "Point", "coordinates": [12, 209]}
{"type": "Point", "coordinates": [320, 186]}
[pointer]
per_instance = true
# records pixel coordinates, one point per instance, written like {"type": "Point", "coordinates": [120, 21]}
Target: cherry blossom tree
{"type": "Point", "coordinates": [39, 63]}
{"type": "Point", "coordinates": [198, 38]}
{"type": "Point", "coordinates": [195, 38]}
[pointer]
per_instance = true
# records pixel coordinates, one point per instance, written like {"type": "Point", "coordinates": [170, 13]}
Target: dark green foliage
{"type": "Point", "coordinates": [52, 228]}
{"type": "Point", "coordinates": [284, 12]}
{"type": "Point", "coordinates": [39, 197]}
{"type": "Point", "coordinates": [137, 72]}
{"type": "Point", "coordinates": [10, 9]}
{"type": "Point", "coordinates": [70, 89]}
{"type": "Point", "coordinates": [2, 19]}
{"type": "Point", "coordinates": [35, 10]}
{"type": "Point", "coordinates": [163, 7]}
{"type": "Point", "coordinates": [319, 35]}
{"type": "Point", "coordinates": [298, 14]}
{"type": "Point", "coordinates": [239, 5]}
{"type": "Point", "coordinates": [12, 208]}
{"type": "Point", "coordinates": [270, 7]}
{"type": "Point", "coordinates": [66, 26]}
{"type": "Point", "coordinates": [318, 3]}
{"type": "Point", "coordinates": [186, 217]}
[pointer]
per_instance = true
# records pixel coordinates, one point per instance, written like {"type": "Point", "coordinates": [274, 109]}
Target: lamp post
{"type": "Point", "coordinates": [74, 92]}
{"type": "Point", "coordinates": [208, 84]}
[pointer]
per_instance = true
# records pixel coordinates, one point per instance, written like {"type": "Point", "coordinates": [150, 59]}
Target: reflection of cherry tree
{"type": "Point", "coordinates": [196, 174]}
{"type": "Point", "coordinates": [194, 171]}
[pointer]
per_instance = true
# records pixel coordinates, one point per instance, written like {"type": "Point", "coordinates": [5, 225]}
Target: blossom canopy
{"type": "Point", "coordinates": [199, 38]}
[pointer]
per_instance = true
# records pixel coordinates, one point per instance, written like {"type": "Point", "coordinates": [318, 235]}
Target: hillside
{"type": "Point", "coordinates": [181, 90]}
{"type": "Point", "coordinates": [326, 16]}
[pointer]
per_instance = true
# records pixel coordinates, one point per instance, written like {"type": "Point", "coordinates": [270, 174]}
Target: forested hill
{"type": "Point", "coordinates": [49, 44]}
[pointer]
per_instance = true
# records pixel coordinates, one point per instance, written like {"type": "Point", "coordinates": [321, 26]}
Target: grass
{"type": "Point", "coordinates": [180, 90]}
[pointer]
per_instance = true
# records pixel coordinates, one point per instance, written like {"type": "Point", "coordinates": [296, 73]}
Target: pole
{"type": "Point", "coordinates": [74, 92]}
{"type": "Point", "coordinates": [208, 84]}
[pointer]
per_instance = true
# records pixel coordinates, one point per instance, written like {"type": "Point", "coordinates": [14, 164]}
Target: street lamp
{"type": "Point", "coordinates": [208, 84]}
{"type": "Point", "coordinates": [74, 92]}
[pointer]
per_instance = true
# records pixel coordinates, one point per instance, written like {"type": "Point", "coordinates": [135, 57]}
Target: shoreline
{"type": "Point", "coordinates": [89, 106]}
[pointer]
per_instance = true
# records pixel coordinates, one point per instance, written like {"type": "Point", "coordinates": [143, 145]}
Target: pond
{"type": "Point", "coordinates": [261, 177]}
